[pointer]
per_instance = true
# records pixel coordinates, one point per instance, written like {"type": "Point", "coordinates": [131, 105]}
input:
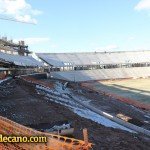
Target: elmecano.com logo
{"type": "Point", "coordinates": [22, 139]}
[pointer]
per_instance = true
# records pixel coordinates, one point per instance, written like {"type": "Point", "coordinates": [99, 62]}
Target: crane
{"type": "Point", "coordinates": [15, 20]}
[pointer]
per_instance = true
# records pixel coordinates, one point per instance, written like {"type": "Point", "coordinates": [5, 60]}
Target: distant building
{"type": "Point", "coordinates": [8, 46]}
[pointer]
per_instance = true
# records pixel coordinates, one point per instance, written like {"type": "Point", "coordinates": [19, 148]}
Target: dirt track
{"type": "Point", "coordinates": [137, 89]}
{"type": "Point", "coordinates": [25, 106]}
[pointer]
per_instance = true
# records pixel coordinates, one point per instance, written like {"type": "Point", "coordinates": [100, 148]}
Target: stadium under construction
{"type": "Point", "coordinates": [105, 94]}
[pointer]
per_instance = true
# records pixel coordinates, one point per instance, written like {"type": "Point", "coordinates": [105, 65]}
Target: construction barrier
{"type": "Point", "coordinates": [54, 142]}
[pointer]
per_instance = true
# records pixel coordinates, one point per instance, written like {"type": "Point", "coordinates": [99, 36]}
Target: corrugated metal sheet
{"type": "Point", "coordinates": [20, 60]}
{"type": "Point", "coordinates": [75, 59]}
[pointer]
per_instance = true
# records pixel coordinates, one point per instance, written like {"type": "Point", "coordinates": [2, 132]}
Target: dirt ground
{"type": "Point", "coordinates": [25, 106]}
{"type": "Point", "coordinates": [137, 89]}
{"type": "Point", "coordinates": [113, 106]}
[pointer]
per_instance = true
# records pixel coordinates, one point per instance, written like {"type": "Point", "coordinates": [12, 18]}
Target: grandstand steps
{"type": "Point", "coordinates": [103, 74]}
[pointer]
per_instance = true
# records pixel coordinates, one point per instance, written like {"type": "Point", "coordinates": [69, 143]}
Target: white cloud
{"type": "Point", "coordinates": [19, 9]}
{"type": "Point", "coordinates": [107, 48]}
{"type": "Point", "coordinates": [34, 40]}
{"type": "Point", "coordinates": [26, 18]}
{"type": "Point", "coordinates": [131, 38]}
{"type": "Point", "coordinates": [54, 46]}
{"type": "Point", "coordinates": [143, 5]}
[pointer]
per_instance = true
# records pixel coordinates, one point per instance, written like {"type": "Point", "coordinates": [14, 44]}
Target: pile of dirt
{"type": "Point", "coordinates": [25, 106]}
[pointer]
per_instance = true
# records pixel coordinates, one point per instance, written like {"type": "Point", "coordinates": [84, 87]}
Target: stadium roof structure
{"type": "Point", "coordinates": [94, 58]}
{"type": "Point", "coordinates": [20, 60]}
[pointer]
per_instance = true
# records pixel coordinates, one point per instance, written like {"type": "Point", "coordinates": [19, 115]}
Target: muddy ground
{"type": "Point", "coordinates": [25, 106]}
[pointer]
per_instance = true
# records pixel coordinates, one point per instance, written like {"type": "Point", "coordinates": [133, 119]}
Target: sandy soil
{"type": "Point", "coordinates": [25, 106]}
{"type": "Point", "coordinates": [137, 89]}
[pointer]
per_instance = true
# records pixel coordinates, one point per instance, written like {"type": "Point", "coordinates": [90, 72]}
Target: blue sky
{"type": "Point", "coordinates": [78, 25]}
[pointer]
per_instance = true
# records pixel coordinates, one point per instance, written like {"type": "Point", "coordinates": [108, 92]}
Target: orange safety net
{"type": "Point", "coordinates": [54, 142]}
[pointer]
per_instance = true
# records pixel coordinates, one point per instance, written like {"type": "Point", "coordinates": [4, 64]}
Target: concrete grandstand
{"type": "Point", "coordinates": [96, 60]}
{"type": "Point", "coordinates": [98, 65]}
{"type": "Point", "coordinates": [103, 74]}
